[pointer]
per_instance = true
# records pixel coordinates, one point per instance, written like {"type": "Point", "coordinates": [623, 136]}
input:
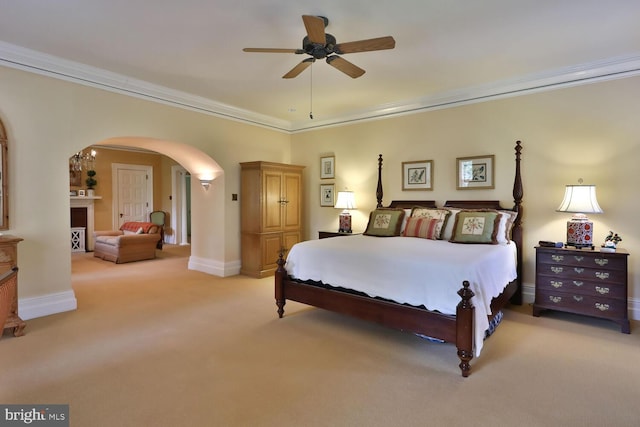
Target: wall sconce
{"type": "Point", "coordinates": [346, 201]}
{"type": "Point", "coordinates": [205, 183]}
{"type": "Point", "coordinates": [580, 200]}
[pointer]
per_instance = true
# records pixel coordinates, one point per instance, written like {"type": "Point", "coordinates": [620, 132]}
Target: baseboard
{"type": "Point", "coordinates": [529, 294]}
{"type": "Point", "coordinates": [45, 305]}
{"type": "Point", "coordinates": [213, 267]}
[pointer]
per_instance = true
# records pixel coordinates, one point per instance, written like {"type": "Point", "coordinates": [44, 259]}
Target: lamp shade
{"type": "Point", "coordinates": [346, 200]}
{"type": "Point", "coordinates": [580, 199]}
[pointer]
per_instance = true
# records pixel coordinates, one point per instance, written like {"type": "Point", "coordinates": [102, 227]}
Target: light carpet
{"type": "Point", "coordinates": [154, 344]}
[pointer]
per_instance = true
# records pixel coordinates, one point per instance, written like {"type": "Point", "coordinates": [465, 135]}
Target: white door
{"type": "Point", "coordinates": [133, 193]}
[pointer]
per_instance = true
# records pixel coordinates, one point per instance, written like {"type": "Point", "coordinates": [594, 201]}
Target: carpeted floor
{"type": "Point", "coordinates": [153, 344]}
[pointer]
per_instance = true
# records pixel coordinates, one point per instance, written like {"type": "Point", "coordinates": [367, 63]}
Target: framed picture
{"type": "Point", "coordinates": [475, 172]}
{"type": "Point", "coordinates": [327, 167]}
{"type": "Point", "coordinates": [326, 195]}
{"type": "Point", "coordinates": [417, 175]}
{"type": "Point", "coordinates": [73, 192]}
{"type": "Point", "coordinates": [81, 193]}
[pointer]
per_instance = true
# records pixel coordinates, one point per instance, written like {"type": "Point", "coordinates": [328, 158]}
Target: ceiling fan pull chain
{"type": "Point", "coordinates": [311, 93]}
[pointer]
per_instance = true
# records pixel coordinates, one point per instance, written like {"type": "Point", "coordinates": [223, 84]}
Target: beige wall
{"type": "Point", "coordinates": [47, 120]}
{"type": "Point", "coordinates": [588, 132]}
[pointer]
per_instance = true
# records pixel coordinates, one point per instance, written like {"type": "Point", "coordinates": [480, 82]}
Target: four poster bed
{"type": "Point", "coordinates": [405, 291]}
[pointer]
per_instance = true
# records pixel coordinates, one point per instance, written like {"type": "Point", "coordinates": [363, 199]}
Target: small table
{"type": "Point", "coordinates": [326, 234]}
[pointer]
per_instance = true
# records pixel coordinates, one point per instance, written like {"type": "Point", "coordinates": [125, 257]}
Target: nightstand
{"type": "Point", "coordinates": [583, 281]}
{"type": "Point", "coordinates": [325, 234]}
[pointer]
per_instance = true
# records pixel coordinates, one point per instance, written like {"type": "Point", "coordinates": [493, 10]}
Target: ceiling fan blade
{"type": "Point", "coordinates": [299, 68]}
{"type": "Point", "coordinates": [271, 50]}
{"type": "Point", "coordinates": [315, 28]}
{"type": "Point", "coordinates": [345, 66]}
{"type": "Point", "coordinates": [379, 43]}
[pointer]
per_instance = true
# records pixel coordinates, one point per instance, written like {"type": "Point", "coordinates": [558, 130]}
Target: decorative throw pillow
{"type": "Point", "coordinates": [507, 218]}
{"type": "Point", "coordinates": [424, 228]}
{"type": "Point", "coordinates": [384, 222]}
{"type": "Point", "coordinates": [140, 230]}
{"type": "Point", "coordinates": [447, 230]}
{"type": "Point", "coordinates": [431, 213]}
{"type": "Point", "coordinates": [476, 227]}
{"type": "Point", "coordinates": [407, 214]}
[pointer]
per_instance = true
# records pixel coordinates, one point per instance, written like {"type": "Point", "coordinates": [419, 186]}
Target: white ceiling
{"type": "Point", "coordinates": [445, 50]}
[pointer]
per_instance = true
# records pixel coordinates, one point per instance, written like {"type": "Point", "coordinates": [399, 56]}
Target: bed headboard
{"type": "Point", "coordinates": [516, 233]}
{"type": "Point", "coordinates": [408, 204]}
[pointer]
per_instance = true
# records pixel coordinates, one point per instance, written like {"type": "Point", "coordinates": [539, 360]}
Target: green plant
{"type": "Point", "coordinates": [91, 182]}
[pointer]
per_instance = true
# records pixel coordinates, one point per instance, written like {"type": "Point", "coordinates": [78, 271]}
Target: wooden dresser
{"type": "Point", "coordinates": [271, 214]}
{"type": "Point", "coordinates": [583, 281]}
{"type": "Point", "coordinates": [8, 260]}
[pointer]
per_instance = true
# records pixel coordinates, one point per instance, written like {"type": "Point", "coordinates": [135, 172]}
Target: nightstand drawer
{"type": "Point", "coordinates": [582, 304]}
{"type": "Point", "coordinates": [582, 287]}
{"type": "Point", "coordinates": [583, 259]}
{"type": "Point", "coordinates": [582, 273]}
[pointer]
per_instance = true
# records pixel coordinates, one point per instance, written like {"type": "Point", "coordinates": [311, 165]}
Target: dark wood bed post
{"type": "Point", "coordinates": [464, 328]}
{"type": "Point", "coordinates": [379, 188]}
{"type": "Point", "coordinates": [516, 232]}
{"type": "Point", "coordinates": [281, 274]}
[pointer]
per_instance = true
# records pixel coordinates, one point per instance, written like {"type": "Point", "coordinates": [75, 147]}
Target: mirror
{"type": "Point", "coordinates": [4, 208]}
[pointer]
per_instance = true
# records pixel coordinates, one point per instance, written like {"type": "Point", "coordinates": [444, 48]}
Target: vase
{"type": "Point", "coordinates": [90, 192]}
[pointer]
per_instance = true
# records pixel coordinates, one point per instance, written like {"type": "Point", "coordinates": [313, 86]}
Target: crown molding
{"type": "Point", "coordinates": [40, 63]}
{"type": "Point", "coordinates": [36, 62]}
{"type": "Point", "coordinates": [594, 72]}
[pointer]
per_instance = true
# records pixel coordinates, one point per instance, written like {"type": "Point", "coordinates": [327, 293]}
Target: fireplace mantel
{"type": "Point", "coordinates": [86, 202]}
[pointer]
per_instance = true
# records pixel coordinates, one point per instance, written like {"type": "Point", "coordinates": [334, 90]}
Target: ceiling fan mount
{"type": "Point", "coordinates": [319, 45]}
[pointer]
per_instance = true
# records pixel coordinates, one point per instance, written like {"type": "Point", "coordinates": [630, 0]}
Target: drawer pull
{"type": "Point", "coordinates": [557, 258]}
{"type": "Point", "coordinates": [578, 270]}
{"type": "Point", "coordinates": [556, 269]}
{"type": "Point", "coordinates": [578, 298]}
{"type": "Point", "coordinates": [602, 291]}
{"type": "Point", "coordinates": [556, 284]}
{"type": "Point", "coordinates": [579, 258]}
{"type": "Point", "coordinates": [602, 307]}
{"type": "Point", "coordinates": [578, 283]}
{"type": "Point", "coordinates": [555, 299]}
{"type": "Point", "coordinates": [602, 275]}
{"type": "Point", "coordinates": [601, 261]}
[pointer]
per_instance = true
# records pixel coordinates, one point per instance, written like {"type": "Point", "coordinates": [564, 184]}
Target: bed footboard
{"type": "Point", "coordinates": [458, 329]}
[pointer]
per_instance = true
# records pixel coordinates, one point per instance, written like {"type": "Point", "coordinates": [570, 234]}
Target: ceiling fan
{"type": "Point", "coordinates": [319, 44]}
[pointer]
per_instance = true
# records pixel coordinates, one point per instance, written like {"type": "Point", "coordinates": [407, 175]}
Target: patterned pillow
{"type": "Point", "coordinates": [424, 228]}
{"type": "Point", "coordinates": [431, 213]}
{"type": "Point", "coordinates": [476, 227]}
{"type": "Point", "coordinates": [385, 222]}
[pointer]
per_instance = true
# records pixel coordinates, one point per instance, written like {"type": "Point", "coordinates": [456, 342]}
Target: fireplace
{"type": "Point", "coordinates": [82, 216]}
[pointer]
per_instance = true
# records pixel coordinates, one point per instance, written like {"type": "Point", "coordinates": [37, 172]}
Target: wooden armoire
{"type": "Point", "coordinates": [271, 214]}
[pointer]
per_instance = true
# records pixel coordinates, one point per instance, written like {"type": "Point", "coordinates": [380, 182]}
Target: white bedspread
{"type": "Point", "coordinates": [409, 270]}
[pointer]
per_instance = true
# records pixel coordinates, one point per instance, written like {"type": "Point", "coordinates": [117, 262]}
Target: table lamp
{"type": "Point", "coordinates": [346, 201]}
{"type": "Point", "coordinates": [580, 200]}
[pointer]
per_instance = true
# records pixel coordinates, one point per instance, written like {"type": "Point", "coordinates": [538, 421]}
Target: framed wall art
{"type": "Point", "coordinates": [475, 173]}
{"type": "Point", "coordinates": [417, 175]}
{"type": "Point", "coordinates": [327, 167]}
{"type": "Point", "coordinates": [327, 195]}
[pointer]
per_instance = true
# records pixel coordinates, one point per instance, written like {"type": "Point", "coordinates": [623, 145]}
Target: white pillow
{"type": "Point", "coordinates": [407, 214]}
{"type": "Point", "coordinates": [139, 230]}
